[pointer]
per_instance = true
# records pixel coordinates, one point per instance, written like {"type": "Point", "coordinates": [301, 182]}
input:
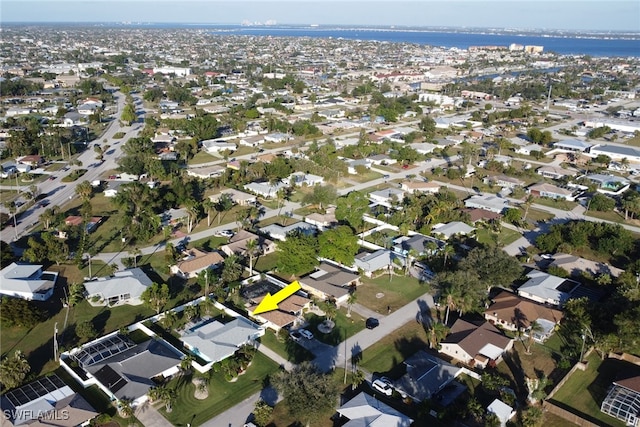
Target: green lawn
{"type": "Point", "coordinates": [266, 262]}
{"type": "Point", "coordinates": [584, 391]}
{"type": "Point", "coordinates": [608, 216]}
{"type": "Point", "coordinates": [502, 239]}
{"type": "Point", "coordinates": [557, 204]}
{"type": "Point", "coordinates": [387, 354]}
{"type": "Point", "coordinates": [287, 349]}
{"type": "Point", "coordinates": [538, 215]}
{"type": "Point", "coordinates": [36, 343]}
{"type": "Point", "coordinates": [395, 293]}
{"type": "Point", "coordinates": [344, 325]}
{"type": "Point", "coordinates": [365, 177]}
{"type": "Point", "coordinates": [222, 394]}
{"type": "Point", "coordinates": [203, 157]}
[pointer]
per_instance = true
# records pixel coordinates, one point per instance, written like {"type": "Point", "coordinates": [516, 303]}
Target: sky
{"type": "Point", "coordinates": [604, 15]}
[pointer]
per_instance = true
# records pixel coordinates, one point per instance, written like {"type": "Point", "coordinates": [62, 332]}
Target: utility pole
{"type": "Point", "coordinates": [55, 342]}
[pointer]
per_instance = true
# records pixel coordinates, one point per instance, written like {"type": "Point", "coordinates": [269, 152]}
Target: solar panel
{"type": "Point", "coordinates": [110, 378]}
{"type": "Point", "coordinates": [38, 388]}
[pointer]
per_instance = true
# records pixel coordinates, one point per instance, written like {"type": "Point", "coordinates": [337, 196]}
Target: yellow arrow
{"type": "Point", "coordinates": [270, 302]}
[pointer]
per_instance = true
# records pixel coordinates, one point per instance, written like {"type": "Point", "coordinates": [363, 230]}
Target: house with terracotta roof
{"type": "Point", "coordinates": [74, 220]}
{"type": "Point", "coordinates": [475, 345]}
{"type": "Point", "coordinates": [477, 215]}
{"type": "Point", "coordinates": [289, 312]}
{"type": "Point", "coordinates": [238, 244]}
{"type": "Point", "coordinates": [330, 282]}
{"type": "Point", "coordinates": [513, 313]}
{"type": "Point", "coordinates": [196, 261]}
{"type": "Point", "coordinates": [323, 221]}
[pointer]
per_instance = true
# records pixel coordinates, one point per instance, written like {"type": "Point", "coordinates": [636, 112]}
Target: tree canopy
{"type": "Point", "coordinates": [351, 208]}
{"type": "Point", "coordinates": [339, 244]}
{"type": "Point", "coordinates": [308, 393]}
{"type": "Point", "coordinates": [297, 254]}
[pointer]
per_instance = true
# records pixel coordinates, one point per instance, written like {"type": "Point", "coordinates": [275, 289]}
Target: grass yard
{"type": "Point", "coordinates": [37, 343]}
{"type": "Point", "coordinates": [365, 177]}
{"type": "Point", "coordinates": [344, 325]}
{"type": "Point", "coordinates": [395, 293]}
{"type": "Point", "coordinates": [565, 205]}
{"type": "Point", "coordinates": [584, 391]}
{"type": "Point", "coordinates": [222, 394]}
{"type": "Point", "coordinates": [608, 216]}
{"type": "Point", "coordinates": [387, 354]}
{"type": "Point", "coordinates": [203, 157]}
{"type": "Point", "coordinates": [502, 239]}
{"type": "Point", "coordinates": [266, 263]}
{"type": "Point", "coordinates": [538, 215]}
{"type": "Point", "coordinates": [287, 349]}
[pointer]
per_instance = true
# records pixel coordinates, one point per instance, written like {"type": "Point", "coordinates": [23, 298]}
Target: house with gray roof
{"type": "Point", "coordinates": [330, 282]}
{"type": "Point", "coordinates": [279, 232]}
{"type": "Point", "coordinates": [575, 145]}
{"type": "Point", "coordinates": [128, 371]}
{"type": "Point", "coordinates": [124, 287]}
{"type": "Point", "coordinates": [238, 197]}
{"type": "Point", "coordinates": [616, 152]}
{"type": "Point", "coordinates": [487, 202]}
{"type": "Point", "coordinates": [609, 184]}
{"type": "Point", "coordinates": [264, 189]}
{"type": "Point", "coordinates": [546, 288]}
{"type": "Point", "coordinates": [388, 197]}
{"type": "Point", "coordinates": [426, 376]}
{"type": "Point", "coordinates": [418, 243]}
{"type": "Point", "coordinates": [365, 410]}
{"type": "Point", "coordinates": [215, 341]}
{"type": "Point", "coordinates": [451, 229]}
{"type": "Point", "coordinates": [555, 172]}
{"type": "Point", "coordinates": [27, 281]}
{"type": "Point", "coordinates": [369, 263]}
{"type": "Point", "coordinates": [552, 191]}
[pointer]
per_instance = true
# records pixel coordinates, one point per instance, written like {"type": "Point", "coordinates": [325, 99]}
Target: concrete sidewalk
{"type": "Point", "coordinates": [275, 357]}
{"type": "Point", "coordinates": [150, 417]}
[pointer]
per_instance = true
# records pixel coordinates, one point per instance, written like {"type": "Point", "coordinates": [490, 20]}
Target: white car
{"type": "Point", "coordinates": [295, 335]}
{"type": "Point", "coordinates": [382, 386]}
{"type": "Point", "coordinates": [225, 233]}
{"type": "Point", "coordinates": [307, 334]}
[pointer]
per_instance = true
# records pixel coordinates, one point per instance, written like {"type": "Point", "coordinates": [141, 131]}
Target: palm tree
{"type": "Point", "coordinates": [48, 216]}
{"type": "Point", "coordinates": [224, 204]}
{"type": "Point", "coordinates": [437, 332]}
{"type": "Point", "coordinates": [452, 294]}
{"type": "Point", "coordinates": [170, 318]}
{"type": "Point", "coordinates": [353, 298]}
{"type": "Point", "coordinates": [186, 364]}
{"type": "Point", "coordinates": [534, 327]}
{"type": "Point", "coordinates": [84, 190]}
{"type": "Point", "coordinates": [252, 246]}
{"type": "Point", "coordinates": [446, 251]}
{"type": "Point", "coordinates": [208, 207]}
{"type": "Point", "coordinates": [125, 408]}
{"type": "Point", "coordinates": [330, 310]}
{"type": "Point", "coordinates": [357, 378]}
{"type": "Point", "coordinates": [527, 204]}
{"type": "Point", "coordinates": [193, 214]}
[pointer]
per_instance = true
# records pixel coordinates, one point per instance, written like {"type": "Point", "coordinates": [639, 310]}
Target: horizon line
{"type": "Point", "coordinates": [316, 25]}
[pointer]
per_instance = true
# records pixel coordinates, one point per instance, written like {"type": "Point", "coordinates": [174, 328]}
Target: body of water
{"type": "Point", "coordinates": [619, 47]}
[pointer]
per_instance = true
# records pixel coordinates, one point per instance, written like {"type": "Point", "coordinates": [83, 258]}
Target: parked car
{"type": "Point", "coordinates": [295, 335]}
{"type": "Point", "coordinates": [225, 233]}
{"type": "Point", "coordinates": [372, 323]}
{"type": "Point", "coordinates": [307, 334]}
{"type": "Point", "coordinates": [382, 387]}
{"type": "Point", "coordinates": [52, 177]}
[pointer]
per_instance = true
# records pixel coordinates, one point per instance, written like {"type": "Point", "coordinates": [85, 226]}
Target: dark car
{"type": "Point", "coordinates": [372, 322]}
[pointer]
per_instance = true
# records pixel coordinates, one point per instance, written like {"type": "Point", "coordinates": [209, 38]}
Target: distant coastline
{"type": "Point", "coordinates": [594, 43]}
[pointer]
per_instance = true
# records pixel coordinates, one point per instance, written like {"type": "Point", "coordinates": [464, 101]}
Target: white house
{"type": "Point", "coordinates": [546, 288]}
{"type": "Point", "coordinates": [217, 146]}
{"type": "Point", "coordinates": [388, 197]}
{"type": "Point", "coordinates": [490, 203]}
{"type": "Point", "coordinates": [124, 287]}
{"type": "Point", "coordinates": [264, 189]}
{"type": "Point", "coordinates": [451, 229]}
{"type": "Point", "coordinates": [214, 341]}
{"type": "Point", "coordinates": [279, 232]}
{"type": "Point", "coordinates": [27, 281]}
{"type": "Point", "coordinates": [301, 179]}
{"type": "Point", "coordinates": [503, 411]}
